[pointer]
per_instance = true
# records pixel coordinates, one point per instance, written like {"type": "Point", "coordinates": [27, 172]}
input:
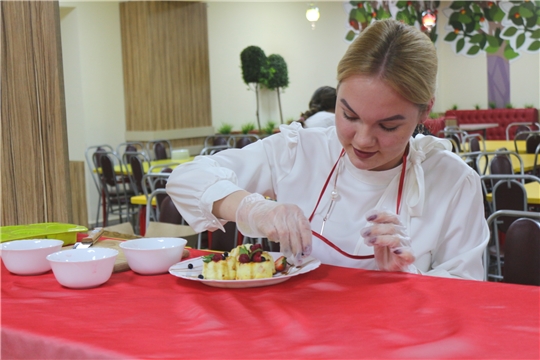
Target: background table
{"type": "Point", "coordinates": [331, 312]}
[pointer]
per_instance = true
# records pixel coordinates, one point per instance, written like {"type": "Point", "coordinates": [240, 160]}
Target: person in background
{"type": "Point", "coordinates": [321, 109]}
{"type": "Point", "coordinates": [364, 193]}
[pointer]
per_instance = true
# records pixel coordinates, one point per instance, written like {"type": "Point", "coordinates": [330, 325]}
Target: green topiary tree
{"type": "Point", "coordinates": [253, 62]}
{"type": "Point", "coordinates": [275, 77]}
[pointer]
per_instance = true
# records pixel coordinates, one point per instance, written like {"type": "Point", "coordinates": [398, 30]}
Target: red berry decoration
{"type": "Point", "coordinates": [243, 258]}
{"type": "Point", "coordinates": [217, 257]}
{"type": "Point", "coordinates": [257, 257]}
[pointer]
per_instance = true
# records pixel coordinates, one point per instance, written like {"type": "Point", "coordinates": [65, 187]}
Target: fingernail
{"type": "Point", "coordinates": [372, 240]}
{"type": "Point", "coordinates": [372, 217]}
{"type": "Point", "coordinates": [397, 252]}
{"type": "Point", "coordinates": [366, 233]}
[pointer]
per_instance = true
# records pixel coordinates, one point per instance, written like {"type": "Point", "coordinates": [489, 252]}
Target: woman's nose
{"type": "Point", "coordinates": [363, 136]}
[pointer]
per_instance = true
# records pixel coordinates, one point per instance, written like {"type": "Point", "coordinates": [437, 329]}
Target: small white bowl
{"type": "Point", "coordinates": [150, 256]}
{"type": "Point", "coordinates": [83, 268]}
{"type": "Point", "coordinates": [29, 257]}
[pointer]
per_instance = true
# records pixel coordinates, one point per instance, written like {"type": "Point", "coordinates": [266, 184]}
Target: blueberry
{"type": "Point", "coordinates": [190, 266]}
{"type": "Point", "coordinates": [225, 254]}
{"type": "Point", "coordinates": [263, 259]}
{"type": "Point", "coordinates": [201, 276]}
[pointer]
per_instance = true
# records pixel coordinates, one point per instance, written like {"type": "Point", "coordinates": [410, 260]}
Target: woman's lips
{"type": "Point", "coordinates": [363, 154]}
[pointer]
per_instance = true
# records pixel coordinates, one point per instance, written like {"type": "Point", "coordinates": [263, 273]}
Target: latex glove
{"type": "Point", "coordinates": [282, 223]}
{"type": "Point", "coordinates": [387, 235]}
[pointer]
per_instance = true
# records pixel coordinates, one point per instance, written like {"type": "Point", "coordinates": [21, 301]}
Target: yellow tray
{"type": "Point", "coordinates": [65, 232]}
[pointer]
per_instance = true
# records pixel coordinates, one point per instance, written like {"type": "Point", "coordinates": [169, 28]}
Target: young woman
{"type": "Point", "coordinates": [321, 109]}
{"type": "Point", "coordinates": [364, 193]}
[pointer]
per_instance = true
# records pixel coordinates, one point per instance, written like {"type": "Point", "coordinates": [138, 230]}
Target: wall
{"type": "Point", "coordinates": [278, 28]}
{"type": "Point", "coordinates": [93, 81]}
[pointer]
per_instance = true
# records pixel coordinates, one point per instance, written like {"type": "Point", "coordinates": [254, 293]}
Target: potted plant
{"type": "Point", "coordinates": [246, 140]}
{"type": "Point", "coordinates": [269, 128]}
{"type": "Point", "coordinates": [253, 62]}
{"type": "Point", "coordinates": [224, 131]}
{"type": "Point", "coordinates": [275, 76]}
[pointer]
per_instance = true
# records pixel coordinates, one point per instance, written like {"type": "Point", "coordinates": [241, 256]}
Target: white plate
{"type": "Point", "coordinates": [181, 270]}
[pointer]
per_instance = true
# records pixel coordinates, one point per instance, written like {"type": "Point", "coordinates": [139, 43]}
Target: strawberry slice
{"type": "Point", "coordinates": [281, 264]}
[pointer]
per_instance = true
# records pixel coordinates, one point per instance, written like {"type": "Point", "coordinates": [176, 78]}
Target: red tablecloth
{"type": "Point", "coordinates": [331, 312]}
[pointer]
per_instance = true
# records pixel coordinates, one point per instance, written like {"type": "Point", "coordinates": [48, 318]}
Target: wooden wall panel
{"type": "Point", "coordinates": [166, 65]}
{"type": "Point", "coordinates": [35, 172]}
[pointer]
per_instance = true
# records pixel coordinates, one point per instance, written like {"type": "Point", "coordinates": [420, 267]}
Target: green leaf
{"type": "Point", "coordinates": [401, 4]}
{"type": "Point", "coordinates": [451, 36]}
{"type": "Point", "coordinates": [491, 49]}
{"type": "Point", "coordinates": [360, 16]}
{"type": "Point", "coordinates": [464, 18]}
{"type": "Point", "coordinates": [534, 46]}
{"type": "Point", "coordinates": [492, 41]}
{"type": "Point", "coordinates": [509, 53]}
{"type": "Point", "coordinates": [350, 35]}
{"type": "Point", "coordinates": [460, 44]}
{"type": "Point", "coordinates": [535, 34]}
{"type": "Point", "coordinates": [477, 9]}
{"type": "Point", "coordinates": [454, 17]}
{"type": "Point", "coordinates": [524, 12]}
{"type": "Point", "coordinates": [520, 40]}
{"type": "Point", "coordinates": [243, 250]}
{"type": "Point", "coordinates": [457, 5]}
{"type": "Point", "coordinates": [510, 31]}
{"type": "Point", "coordinates": [475, 39]}
{"type": "Point", "coordinates": [207, 258]}
{"type": "Point", "coordinates": [499, 15]}
{"type": "Point", "coordinates": [473, 50]}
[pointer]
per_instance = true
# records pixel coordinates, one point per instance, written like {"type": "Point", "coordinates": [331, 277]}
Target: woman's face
{"type": "Point", "coordinates": [374, 123]}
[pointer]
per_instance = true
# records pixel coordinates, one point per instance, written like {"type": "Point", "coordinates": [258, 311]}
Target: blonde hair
{"type": "Point", "coordinates": [399, 54]}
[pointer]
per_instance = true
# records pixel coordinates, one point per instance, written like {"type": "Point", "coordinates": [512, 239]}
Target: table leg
{"type": "Point", "coordinates": [104, 205]}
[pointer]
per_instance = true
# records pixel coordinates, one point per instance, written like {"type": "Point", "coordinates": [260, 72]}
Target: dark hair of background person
{"type": "Point", "coordinates": [323, 99]}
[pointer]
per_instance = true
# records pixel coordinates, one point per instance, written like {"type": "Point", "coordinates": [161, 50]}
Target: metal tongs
{"type": "Point", "coordinates": [89, 240]}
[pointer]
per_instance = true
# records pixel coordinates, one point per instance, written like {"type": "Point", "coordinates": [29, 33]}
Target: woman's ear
{"type": "Point", "coordinates": [427, 111]}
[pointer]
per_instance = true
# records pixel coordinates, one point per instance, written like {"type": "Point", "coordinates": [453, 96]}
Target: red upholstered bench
{"type": "Point", "coordinates": [503, 117]}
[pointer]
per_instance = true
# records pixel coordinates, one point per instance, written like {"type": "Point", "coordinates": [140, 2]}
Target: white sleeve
{"type": "Point", "coordinates": [466, 233]}
{"type": "Point", "coordinates": [196, 185]}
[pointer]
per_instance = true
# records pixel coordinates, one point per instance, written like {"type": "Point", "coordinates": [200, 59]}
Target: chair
{"type": "Point", "coordinates": [521, 126]}
{"type": "Point", "coordinates": [211, 150]}
{"type": "Point", "coordinates": [115, 187]}
{"type": "Point", "coordinates": [169, 215]}
{"type": "Point", "coordinates": [93, 161]}
{"type": "Point", "coordinates": [532, 142]}
{"type": "Point", "coordinates": [492, 220]}
{"type": "Point", "coordinates": [152, 182]}
{"type": "Point", "coordinates": [536, 166]}
{"type": "Point", "coordinates": [244, 140]}
{"type": "Point", "coordinates": [220, 140]}
{"type": "Point", "coordinates": [521, 132]}
{"type": "Point", "coordinates": [498, 162]}
{"type": "Point", "coordinates": [131, 146]}
{"type": "Point", "coordinates": [161, 149]}
{"type": "Point", "coordinates": [522, 253]}
{"type": "Point", "coordinates": [508, 193]}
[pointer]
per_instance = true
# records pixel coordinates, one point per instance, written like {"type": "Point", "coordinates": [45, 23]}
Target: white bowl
{"type": "Point", "coordinates": [83, 268]}
{"type": "Point", "coordinates": [29, 257]}
{"type": "Point", "coordinates": [153, 255]}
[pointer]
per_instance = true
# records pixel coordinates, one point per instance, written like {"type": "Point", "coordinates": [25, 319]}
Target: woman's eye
{"type": "Point", "coordinates": [386, 128]}
{"type": "Point", "coordinates": [349, 117]}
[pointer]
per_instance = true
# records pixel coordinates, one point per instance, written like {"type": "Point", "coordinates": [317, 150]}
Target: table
{"type": "Point", "coordinates": [533, 193]}
{"type": "Point", "coordinates": [331, 312]}
{"type": "Point", "coordinates": [160, 164]}
{"type": "Point", "coordinates": [494, 145]}
{"type": "Point", "coordinates": [477, 127]}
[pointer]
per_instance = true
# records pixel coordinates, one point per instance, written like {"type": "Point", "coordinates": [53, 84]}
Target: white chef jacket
{"type": "Point", "coordinates": [321, 119]}
{"type": "Point", "coordinates": [442, 205]}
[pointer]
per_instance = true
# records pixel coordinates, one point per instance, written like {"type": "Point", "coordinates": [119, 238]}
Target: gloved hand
{"type": "Point", "coordinates": [282, 223]}
{"type": "Point", "coordinates": [392, 248]}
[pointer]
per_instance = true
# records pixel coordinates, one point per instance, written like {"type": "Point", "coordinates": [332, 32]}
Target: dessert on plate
{"type": "Point", "coordinates": [244, 262]}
